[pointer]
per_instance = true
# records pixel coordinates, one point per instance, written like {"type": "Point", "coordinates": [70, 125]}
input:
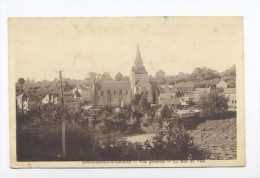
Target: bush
{"type": "Point", "coordinates": [212, 105]}
{"type": "Point", "coordinates": [41, 141]}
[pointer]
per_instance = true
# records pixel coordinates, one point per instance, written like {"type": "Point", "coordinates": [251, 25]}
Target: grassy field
{"type": "Point", "coordinates": [218, 137]}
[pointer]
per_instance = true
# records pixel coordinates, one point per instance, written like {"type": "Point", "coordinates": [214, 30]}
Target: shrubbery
{"type": "Point", "coordinates": [41, 141]}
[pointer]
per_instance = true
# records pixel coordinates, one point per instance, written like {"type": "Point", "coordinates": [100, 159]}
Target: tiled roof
{"type": "Point", "coordinates": [167, 95]}
{"type": "Point", "coordinates": [202, 90]}
{"type": "Point", "coordinates": [230, 90]}
{"type": "Point", "coordinates": [171, 87]}
{"type": "Point", "coordinates": [171, 101]}
{"type": "Point", "coordinates": [221, 82]}
{"type": "Point", "coordinates": [184, 84]}
{"type": "Point", "coordinates": [112, 85]}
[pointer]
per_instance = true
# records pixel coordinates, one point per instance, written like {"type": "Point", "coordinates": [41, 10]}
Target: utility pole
{"type": "Point", "coordinates": [62, 118]}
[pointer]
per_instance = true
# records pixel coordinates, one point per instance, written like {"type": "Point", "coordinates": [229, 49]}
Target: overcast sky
{"type": "Point", "coordinates": [41, 46]}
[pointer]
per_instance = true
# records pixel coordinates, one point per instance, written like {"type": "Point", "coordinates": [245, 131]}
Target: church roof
{"type": "Point", "coordinates": [185, 84]}
{"type": "Point", "coordinates": [112, 85]}
{"type": "Point", "coordinates": [141, 82]}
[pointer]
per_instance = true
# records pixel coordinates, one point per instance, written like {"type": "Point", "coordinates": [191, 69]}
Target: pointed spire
{"type": "Point", "coordinates": [138, 59]}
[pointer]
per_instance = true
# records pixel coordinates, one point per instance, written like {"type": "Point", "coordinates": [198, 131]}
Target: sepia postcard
{"type": "Point", "coordinates": [93, 92]}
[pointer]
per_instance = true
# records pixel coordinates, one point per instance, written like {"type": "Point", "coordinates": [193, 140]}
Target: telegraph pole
{"type": "Point", "coordinates": [62, 118]}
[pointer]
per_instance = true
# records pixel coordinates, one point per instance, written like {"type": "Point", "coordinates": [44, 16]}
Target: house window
{"type": "Point", "coordinates": [114, 92]}
{"type": "Point", "coordinates": [120, 91]}
{"type": "Point", "coordinates": [126, 92]}
{"type": "Point", "coordinates": [142, 93]}
{"type": "Point", "coordinates": [147, 93]}
{"type": "Point", "coordinates": [101, 93]}
{"type": "Point", "coordinates": [108, 92]}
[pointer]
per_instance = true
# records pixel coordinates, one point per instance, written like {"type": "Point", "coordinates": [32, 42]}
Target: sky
{"type": "Point", "coordinates": [42, 46]}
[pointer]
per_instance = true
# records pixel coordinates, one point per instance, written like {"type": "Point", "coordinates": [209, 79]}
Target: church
{"type": "Point", "coordinates": [119, 93]}
{"type": "Point", "coordinates": [140, 83]}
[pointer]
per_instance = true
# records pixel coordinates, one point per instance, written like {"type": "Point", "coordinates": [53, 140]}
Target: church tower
{"type": "Point", "coordinates": [138, 71]}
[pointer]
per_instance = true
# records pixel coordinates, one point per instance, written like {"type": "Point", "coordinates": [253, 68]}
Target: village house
{"type": "Point", "coordinates": [22, 102]}
{"type": "Point", "coordinates": [50, 98]}
{"type": "Point", "coordinates": [230, 93]}
{"type": "Point", "coordinates": [71, 99]}
{"type": "Point", "coordinates": [186, 88]}
{"type": "Point", "coordinates": [168, 89]}
{"type": "Point", "coordinates": [200, 91]}
{"type": "Point", "coordinates": [86, 92]}
{"type": "Point", "coordinates": [222, 84]}
{"type": "Point", "coordinates": [169, 99]}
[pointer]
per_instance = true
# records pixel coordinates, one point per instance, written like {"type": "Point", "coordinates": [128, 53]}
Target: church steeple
{"type": "Point", "coordinates": [139, 67]}
{"type": "Point", "coordinates": [138, 59]}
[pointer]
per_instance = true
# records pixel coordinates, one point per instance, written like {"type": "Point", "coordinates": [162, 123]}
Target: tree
{"type": "Point", "coordinates": [143, 103]}
{"type": "Point", "coordinates": [67, 86]}
{"type": "Point", "coordinates": [106, 76]}
{"type": "Point", "coordinates": [119, 77]}
{"type": "Point", "coordinates": [126, 78]}
{"type": "Point", "coordinates": [92, 75]}
{"type": "Point", "coordinates": [178, 94]}
{"type": "Point", "coordinates": [136, 99]}
{"type": "Point", "coordinates": [201, 74]}
{"type": "Point", "coordinates": [229, 76]}
{"type": "Point", "coordinates": [160, 76]}
{"type": "Point", "coordinates": [172, 142]}
{"type": "Point", "coordinates": [212, 104]}
{"type": "Point", "coordinates": [230, 72]}
{"type": "Point", "coordinates": [21, 81]}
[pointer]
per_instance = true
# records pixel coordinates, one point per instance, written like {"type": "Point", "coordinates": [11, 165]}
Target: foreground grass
{"type": "Point", "coordinates": [218, 137]}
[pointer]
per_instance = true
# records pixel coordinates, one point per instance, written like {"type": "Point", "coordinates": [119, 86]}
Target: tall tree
{"type": "Point", "coordinates": [21, 81]}
{"type": "Point", "coordinates": [143, 103]}
{"type": "Point", "coordinates": [92, 75]}
{"type": "Point", "coordinates": [160, 76]}
{"type": "Point", "coordinates": [212, 104]}
{"type": "Point", "coordinates": [106, 76]}
{"type": "Point", "coordinates": [119, 77]}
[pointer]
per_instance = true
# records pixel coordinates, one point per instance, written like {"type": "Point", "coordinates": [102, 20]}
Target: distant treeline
{"type": "Point", "coordinates": [202, 77]}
